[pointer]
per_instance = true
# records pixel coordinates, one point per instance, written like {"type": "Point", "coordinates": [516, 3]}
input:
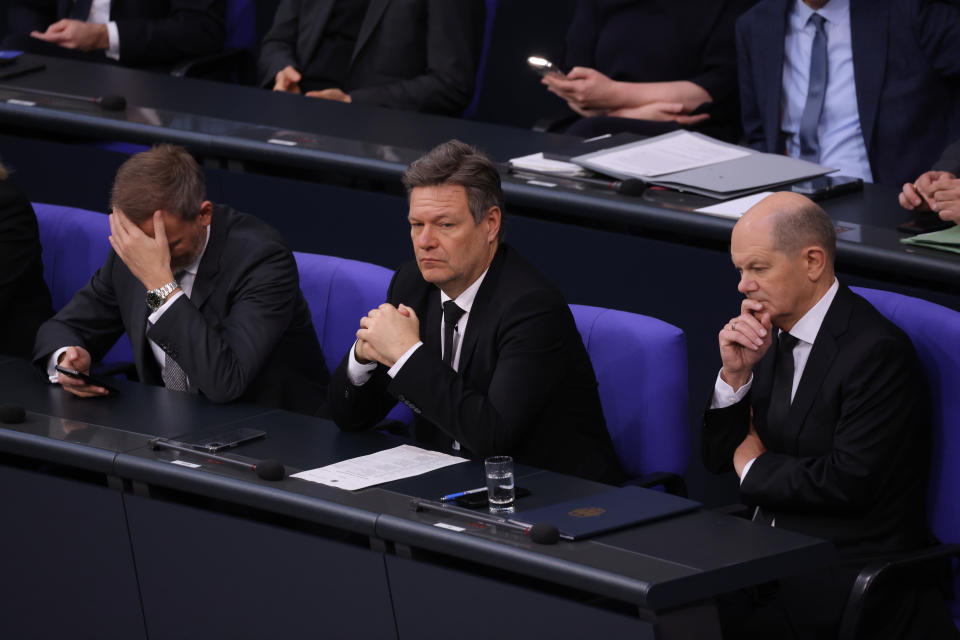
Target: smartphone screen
{"type": "Point", "coordinates": [227, 439]}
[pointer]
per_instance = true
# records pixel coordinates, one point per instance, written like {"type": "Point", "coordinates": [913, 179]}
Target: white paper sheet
{"type": "Point", "coordinates": [400, 462]}
{"type": "Point", "coordinates": [734, 208]}
{"type": "Point", "coordinates": [674, 153]}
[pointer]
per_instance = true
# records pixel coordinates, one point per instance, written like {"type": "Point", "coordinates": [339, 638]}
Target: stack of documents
{"type": "Point", "coordinates": [699, 164]}
{"type": "Point", "coordinates": [536, 162]}
{"type": "Point", "coordinates": [945, 240]}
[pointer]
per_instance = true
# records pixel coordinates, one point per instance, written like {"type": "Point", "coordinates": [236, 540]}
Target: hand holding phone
{"type": "Point", "coordinates": [73, 376]}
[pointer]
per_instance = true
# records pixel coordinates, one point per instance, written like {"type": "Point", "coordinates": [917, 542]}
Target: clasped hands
{"type": "Point", "coordinates": [743, 342]}
{"type": "Point", "coordinates": [937, 191]}
{"type": "Point", "coordinates": [288, 80]}
{"type": "Point", "coordinates": [386, 333]}
{"type": "Point", "coordinates": [591, 93]}
{"type": "Point", "coordinates": [147, 258]}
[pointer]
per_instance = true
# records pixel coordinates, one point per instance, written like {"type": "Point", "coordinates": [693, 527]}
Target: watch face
{"type": "Point", "coordinates": [154, 300]}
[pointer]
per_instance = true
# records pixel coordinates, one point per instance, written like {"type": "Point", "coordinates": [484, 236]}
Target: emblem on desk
{"type": "Point", "coordinates": [587, 512]}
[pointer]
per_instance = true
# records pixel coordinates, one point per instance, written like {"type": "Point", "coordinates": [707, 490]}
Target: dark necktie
{"type": "Point", "coordinates": [451, 316]}
{"type": "Point", "coordinates": [81, 9]}
{"type": "Point", "coordinates": [782, 381]}
{"type": "Point", "coordinates": [816, 93]}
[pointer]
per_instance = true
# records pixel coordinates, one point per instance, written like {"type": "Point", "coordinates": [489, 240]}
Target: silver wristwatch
{"type": "Point", "coordinates": [156, 297]}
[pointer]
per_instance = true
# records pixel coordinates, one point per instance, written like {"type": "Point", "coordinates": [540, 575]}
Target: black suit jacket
{"type": "Point", "coordinates": [24, 297]}
{"type": "Point", "coordinates": [950, 160]}
{"type": "Point", "coordinates": [244, 334]}
{"type": "Point", "coordinates": [850, 464]}
{"type": "Point", "coordinates": [410, 54]}
{"type": "Point", "coordinates": [525, 386]}
{"type": "Point", "coordinates": [906, 58]}
{"type": "Point", "coordinates": [152, 32]}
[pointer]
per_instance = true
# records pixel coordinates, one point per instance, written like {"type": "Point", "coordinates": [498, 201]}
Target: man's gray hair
{"type": "Point", "coordinates": [459, 163]}
{"type": "Point", "coordinates": [166, 177]}
{"type": "Point", "coordinates": [804, 226]}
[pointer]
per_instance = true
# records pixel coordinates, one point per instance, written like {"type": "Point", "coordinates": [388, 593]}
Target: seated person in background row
{"type": "Point", "coordinates": [209, 297]}
{"type": "Point", "coordinates": [24, 297]}
{"type": "Point", "coordinates": [868, 87]}
{"type": "Point", "coordinates": [821, 410]}
{"type": "Point", "coordinates": [473, 339]}
{"type": "Point", "coordinates": [420, 55]}
{"type": "Point", "coordinates": [137, 33]}
{"type": "Point", "coordinates": [645, 66]}
{"type": "Point", "coordinates": [937, 190]}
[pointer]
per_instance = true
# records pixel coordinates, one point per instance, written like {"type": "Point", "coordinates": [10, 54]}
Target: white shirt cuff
{"type": "Point", "coordinates": [724, 395]}
{"type": "Point", "coordinates": [156, 315]}
{"type": "Point", "coordinates": [357, 373]}
{"type": "Point", "coordinates": [52, 374]}
{"type": "Point", "coordinates": [395, 369]}
{"type": "Point", "coordinates": [746, 469]}
{"type": "Point", "coordinates": [113, 33]}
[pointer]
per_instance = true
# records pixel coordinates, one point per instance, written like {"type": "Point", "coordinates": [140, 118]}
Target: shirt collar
{"type": "Point", "coordinates": [465, 299]}
{"type": "Point", "coordinates": [808, 326]}
{"type": "Point", "coordinates": [835, 11]}
{"type": "Point", "coordinates": [194, 266]}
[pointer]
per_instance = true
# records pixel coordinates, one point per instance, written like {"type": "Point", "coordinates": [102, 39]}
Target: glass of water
{"type": "Point", "coordinates": [500, 487]}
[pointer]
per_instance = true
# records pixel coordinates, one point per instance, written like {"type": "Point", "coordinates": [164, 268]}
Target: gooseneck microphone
{"type": "Point", "coordinates": [541, 533]}
{"type": "Point", "coordinates": [628, 187]}
{"type": "Point", "coordinates": [265, 469]}
{"type": "Point", "coordinates": [12, 414]}
{"type": "Point", "coordinates": [107, 102]}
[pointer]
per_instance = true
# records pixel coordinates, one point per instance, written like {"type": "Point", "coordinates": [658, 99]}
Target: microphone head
{"type": "Point", "coordinates": [112, 103]}
{"type": "Point", "coordinates": [544, 533]}
{"type": "Point", "coordinates": [270, 470]}
{"type": "Point", "coordinates": [632, 187]}
{"type": "Point", "coordinates": [12, 414]}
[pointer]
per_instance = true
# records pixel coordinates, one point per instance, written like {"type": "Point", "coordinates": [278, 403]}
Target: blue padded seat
{"type": "Point", "coordinates": [641, 368]}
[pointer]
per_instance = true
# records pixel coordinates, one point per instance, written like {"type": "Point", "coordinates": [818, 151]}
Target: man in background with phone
{"type": "Point", "coordinates": [209, 297]}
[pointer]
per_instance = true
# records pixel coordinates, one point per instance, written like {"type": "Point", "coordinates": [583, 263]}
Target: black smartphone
{"type": "Point", "coordinates": [227, 439]}
{"type": "Point", "coordinates": [96, 381]}
{"type": "Point", "coordinates": [542, 65]}
{"type": "Point", "coordinates": [827, 186]}
{"type": "Point", "coordinates": [479, 499]}
{"type": "Point", "coordinates": [924, 222]}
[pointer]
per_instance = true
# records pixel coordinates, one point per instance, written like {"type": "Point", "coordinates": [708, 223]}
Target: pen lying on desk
{"type": "Point", "coordinates": [468, 492]}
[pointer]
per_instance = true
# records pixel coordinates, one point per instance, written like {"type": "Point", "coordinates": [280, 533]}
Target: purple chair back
{"type": "Point", "coordinates": [339, 292]}
{"type": "Point", "coordinates": [641, 367]}
{"type": "Point", "coordinates": [75, 245]}
{"type": "Point", "coordinates": [935, 332]}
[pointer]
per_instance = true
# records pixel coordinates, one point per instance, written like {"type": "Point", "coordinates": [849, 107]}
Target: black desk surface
{"type": "Point", "coordinates": [252, 124]}
{"type": "Point", "coordinates": [658, 565]}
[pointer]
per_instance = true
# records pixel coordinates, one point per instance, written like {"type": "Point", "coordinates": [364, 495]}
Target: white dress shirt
{"type": "Point", "coordinates": [100, 14]}
{"type": "Point", "coordinates": [805, 331]}
{"type": "Point", "coordinates": [841, 139]}
{"type": "Point", "coordinates": [188, 277]}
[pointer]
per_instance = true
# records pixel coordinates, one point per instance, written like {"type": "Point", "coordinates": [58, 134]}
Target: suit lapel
{"type": "Point", "coordinates": [430, 334]}
{"type": "Point", "coordinates": [868, 33]}
{"type": "Point", "coordinates": [209, 271]}
{"type": "Point", "coordinates": [481, 310]}
{"type": "Point", "coordinates": [370, 21]}
{"type": "Point", "coordinates": [770, 69]}
{"type": "Point", "coordinates": [317, 19]}
{"type": "Point", "coordinates": [818, 365]}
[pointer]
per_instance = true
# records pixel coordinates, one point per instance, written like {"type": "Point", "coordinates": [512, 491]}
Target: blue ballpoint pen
{"type": "Point", "coordinates": [454, 496]}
